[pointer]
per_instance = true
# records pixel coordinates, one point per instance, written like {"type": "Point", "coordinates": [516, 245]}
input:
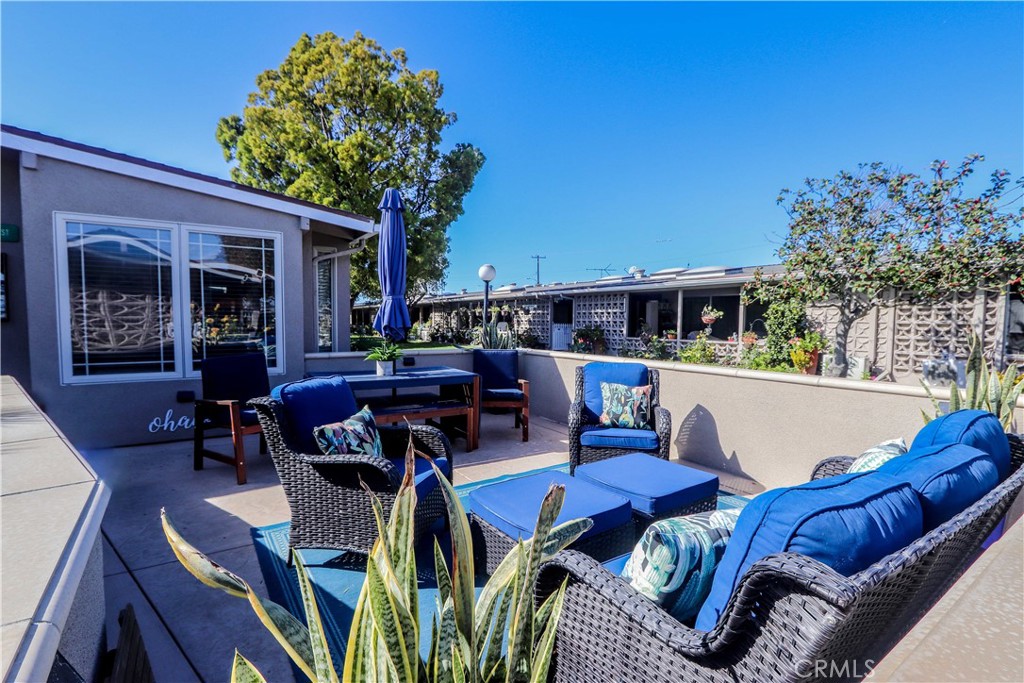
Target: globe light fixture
{"type": "Point", "coordinates": [486, 274]}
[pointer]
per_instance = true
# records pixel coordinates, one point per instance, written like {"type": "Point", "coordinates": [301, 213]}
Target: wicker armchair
{"type": "Point", "coordinates": [788, 617]}
{"type": "Point", "coordinates": [329, 507]}
{"type": "Point", "coordinates": [580, 417]}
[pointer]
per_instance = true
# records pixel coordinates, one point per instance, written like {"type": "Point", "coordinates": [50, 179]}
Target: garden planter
{"type": "Point", "coordinates": [385, 368]}
{"type": "Point", "coordinates": [708, 319]}
{"type": "Point", "coordinates": [812, 369]}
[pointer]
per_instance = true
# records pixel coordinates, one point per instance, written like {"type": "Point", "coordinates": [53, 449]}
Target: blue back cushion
{"type": "Point", "coordinates": [313, 402]}
{"type": "Point", "coordinates": [498, 368]}
{"type": "Point", "coordinates": [977, 428]}
{"type": "Point", "coordinates": [235, 378]}
{"type": "Point", "coordinates": [846, 522]}
{"type": "Point", "coordinates": [630, 374]}
{"type": "Point", "coordinates": [947, 478]}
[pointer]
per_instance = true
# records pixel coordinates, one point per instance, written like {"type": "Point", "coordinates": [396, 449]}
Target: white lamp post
{"type": "Point", "coordinates": [486, 274]}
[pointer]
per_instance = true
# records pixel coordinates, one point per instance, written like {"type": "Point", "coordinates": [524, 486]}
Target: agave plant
{"type": "Point", "coordinates": [502, 636]}
{"type": "Point", "coordinates": [985, 390]}
{"type": "Point", "coordinates": [489, 337]}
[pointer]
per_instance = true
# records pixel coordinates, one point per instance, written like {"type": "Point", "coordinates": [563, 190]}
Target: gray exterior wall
{"type": "Point", "coordinates": [13, 333]}
{"type": "Point", "coordinates": [95, 415]}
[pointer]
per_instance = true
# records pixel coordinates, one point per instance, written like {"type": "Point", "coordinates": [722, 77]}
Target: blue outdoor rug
{"type": "Point", "coordinates": [337, 579]}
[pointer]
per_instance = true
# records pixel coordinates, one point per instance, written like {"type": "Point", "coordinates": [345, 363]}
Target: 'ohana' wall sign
{"type": "Point", "coordinates": [168, 423]}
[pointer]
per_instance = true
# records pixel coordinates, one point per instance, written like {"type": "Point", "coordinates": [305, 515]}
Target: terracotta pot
{"type": "Point", "coordinates": [812, 369]}
{"type": "Point", "coordinates": [708, 319]}
{"type": "Point", "coordinates": [670, 335]}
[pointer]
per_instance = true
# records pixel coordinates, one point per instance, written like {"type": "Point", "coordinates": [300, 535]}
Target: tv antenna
{"type": "Point", "coordinates": [606, 271]}
{"type": "Point", "coordinates": [538, 267]}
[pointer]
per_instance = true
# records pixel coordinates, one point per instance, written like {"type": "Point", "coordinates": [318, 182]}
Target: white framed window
{"type": "Point", "coordinates": [325, 318]}
{"type": "Point", "coordinates": [142, 300]}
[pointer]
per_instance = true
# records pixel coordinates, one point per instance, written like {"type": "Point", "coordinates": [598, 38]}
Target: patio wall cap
{"type": "Point", "coordinates": [361, 355]}
{"type": "Point", "coordinates": [43, 629]}
{"type": "Point", "coordinates": [763, 375]}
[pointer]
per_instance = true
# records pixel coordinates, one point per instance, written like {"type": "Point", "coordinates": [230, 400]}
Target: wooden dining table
{"type": "Point", "coordinates": [394, 409]}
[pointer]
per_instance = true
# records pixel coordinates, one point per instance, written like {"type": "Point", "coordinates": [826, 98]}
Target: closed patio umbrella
{"type": "Point", "coordinates": [392, 318]}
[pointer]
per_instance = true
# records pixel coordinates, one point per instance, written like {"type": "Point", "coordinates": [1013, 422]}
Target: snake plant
{"type": "Point", "coordinates": [499, 637]}
{"type": "Point", "coordinates": [985, 390]}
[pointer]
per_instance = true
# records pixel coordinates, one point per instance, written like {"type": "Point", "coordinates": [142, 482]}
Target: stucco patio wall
{"type": "Point", "coordinates": [766, 426]}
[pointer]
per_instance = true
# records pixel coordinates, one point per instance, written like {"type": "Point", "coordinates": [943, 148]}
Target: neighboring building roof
{"type": "Point", "coordinates": [114, 162]}
{"type": "Point", "coordinates": [669, 278]}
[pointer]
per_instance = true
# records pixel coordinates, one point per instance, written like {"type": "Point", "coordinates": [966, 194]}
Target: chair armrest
{"type": "Point", "coordinates": [211, 402]}
{"type": "Point", "coordinates": [524, 386]}
{"type": "Point", "coordinates": [830, 467]}
{"type": "Point", "coordinates": [767, 580]}
{"type": "Point", "coordinates": [663, 426]}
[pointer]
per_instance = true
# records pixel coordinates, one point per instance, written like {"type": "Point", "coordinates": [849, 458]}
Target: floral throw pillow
{"type": "Point", "coordinates": [674, 563]}
{"type": "Point", "coordinates": [358, 434]}
{"type": "Point", "coordinates": [876, 456]}
{"type": "Point", "coordinates": [625, 406]}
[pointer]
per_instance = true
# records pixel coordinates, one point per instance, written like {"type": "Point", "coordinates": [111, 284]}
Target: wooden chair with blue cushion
{"type": "Point", "coordinates": [228, 382]}
{"type": "Point", "coordinates": [500, 386]}
{"type": "Point", "coordinates": [329, 507]}
{"type": "Point", "coordinates": [589, 441]}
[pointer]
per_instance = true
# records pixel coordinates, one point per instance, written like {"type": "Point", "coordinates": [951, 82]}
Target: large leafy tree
{"type": "Point", "coordinates": [856, 238]}
{"type": "Point", "coordinates": [339, 122]}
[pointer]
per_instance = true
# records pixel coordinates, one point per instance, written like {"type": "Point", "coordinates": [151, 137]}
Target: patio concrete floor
{"type": "Point", "coordinates": [190, 630]}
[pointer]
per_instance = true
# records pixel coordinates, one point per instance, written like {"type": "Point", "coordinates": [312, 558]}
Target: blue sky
{"type": "Point", "coordinates": [655, 135]}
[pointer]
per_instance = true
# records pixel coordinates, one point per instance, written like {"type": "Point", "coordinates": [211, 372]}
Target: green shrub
{"type": "Point", "coordinates": [699, 351]}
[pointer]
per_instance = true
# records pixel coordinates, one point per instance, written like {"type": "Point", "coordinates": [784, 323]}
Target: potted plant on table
{"type": "Point", "coordinates": [385, 354]}
{"type": "Point", "coordinates": [669, 334]}
{"type": "Point", "coordinates": [804, 351]}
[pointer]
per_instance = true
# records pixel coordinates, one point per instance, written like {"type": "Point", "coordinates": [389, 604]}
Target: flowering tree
{"type": "Point", "coordinates": [858, 236]}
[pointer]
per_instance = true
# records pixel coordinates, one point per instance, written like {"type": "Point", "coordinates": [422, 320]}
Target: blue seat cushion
{"type": "Point", "coordinates": [977, 428]}
{"type": "Point", "coordinates": [501, 395]}
{"type": "Point", "coordinates": [513, 505]}
{"type": "Point", "coordinates": [498, 368]}
{"type": "Point", "coordinates": [846, 522]}
{"type": "Point", "coordinates": [426, 480]}
{"type": "Point", "coordinates": [617, 564]}
{"type": "Point", "coordinates": [223, 418]}
{"type": "Point", "coordinates": [652, 485]}
{"type": "Point", "coordinates": [630, 374]}
{"type": "Point", "coordinates": [596, 436]}
{"type": "Point", "coordinates": [312, 402]}
{"type": "Point", "coordinates": [947, 478]}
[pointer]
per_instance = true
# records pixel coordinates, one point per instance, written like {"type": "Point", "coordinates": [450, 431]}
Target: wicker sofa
{"type": "Point", "coordinates": [329, 508]}
{"type": "Point", "coordinates": [790, 618]}
{"type": "Point", "coordinates": [583, 413]}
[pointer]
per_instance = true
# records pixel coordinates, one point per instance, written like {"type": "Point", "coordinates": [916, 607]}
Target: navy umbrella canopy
{"type": "Point", "coordinates": [392, 318]}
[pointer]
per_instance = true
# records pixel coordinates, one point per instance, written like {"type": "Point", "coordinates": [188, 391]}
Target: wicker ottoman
{"type": "Point", "coordinates": [656, 488]}
{"type": "Point", "coordinates": [502, 513]}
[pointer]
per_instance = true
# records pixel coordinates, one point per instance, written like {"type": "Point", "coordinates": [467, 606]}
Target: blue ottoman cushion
{"type": "Point", "coordinates": [978, 428]}
{"type": "Point", "coordinates": [630, 374]}
{"type": "Point", "coordinates": [312, 402]}
{"type": "Point", "coordinates": [596, 436]}
{"type": "Point", "coordinates": [846, 522]}
{"type": "Point", "coordinates": [512, 506]}
{"type": "Point", "coordinates": [653, 486]}
{"type": "Point", "coordinates": [426, 480]}
{"type": "Point", "coordinates": [947, 478]}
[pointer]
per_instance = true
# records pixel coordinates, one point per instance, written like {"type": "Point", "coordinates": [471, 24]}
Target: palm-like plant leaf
{"type": "Point", "coordinates": [324, 666]}
{"type": "Point", "coordinates": [243, 671]}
